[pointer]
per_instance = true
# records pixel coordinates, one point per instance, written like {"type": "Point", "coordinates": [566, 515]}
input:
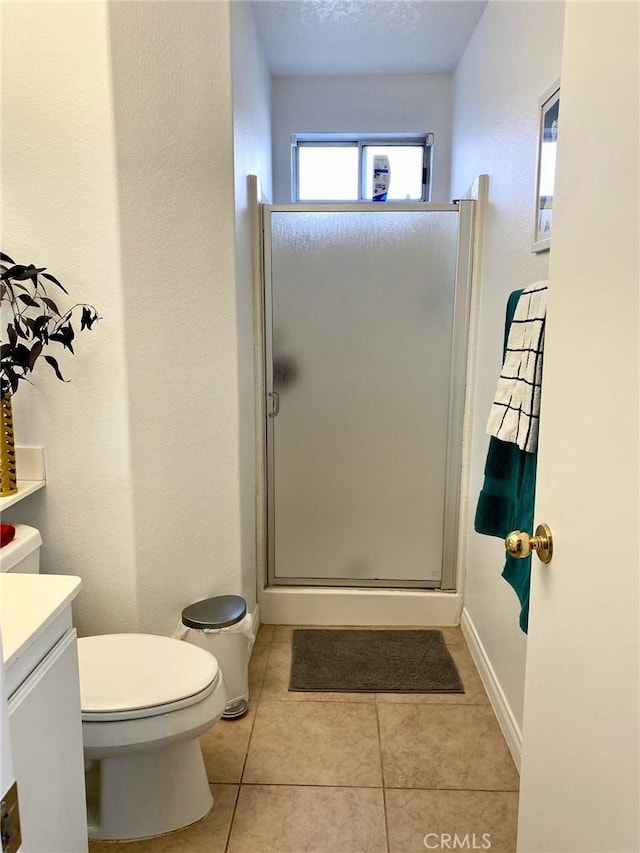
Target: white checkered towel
{"type": "Point", "coordinates": [515, 413]}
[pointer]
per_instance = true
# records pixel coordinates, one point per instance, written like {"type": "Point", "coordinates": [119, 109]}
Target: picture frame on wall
{"type": "Point", "coordinates": [548, 116]}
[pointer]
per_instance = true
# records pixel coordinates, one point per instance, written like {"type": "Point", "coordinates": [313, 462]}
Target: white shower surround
{"type": "Point", "coordinates": [365, 606]}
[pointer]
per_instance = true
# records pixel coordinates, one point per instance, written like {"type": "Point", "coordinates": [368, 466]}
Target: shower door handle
{"type": "Point", "coordinates": [276, 404]}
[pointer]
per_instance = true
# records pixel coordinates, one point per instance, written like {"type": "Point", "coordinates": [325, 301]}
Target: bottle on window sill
{"type": "Point", "coordinates": [381, 177]}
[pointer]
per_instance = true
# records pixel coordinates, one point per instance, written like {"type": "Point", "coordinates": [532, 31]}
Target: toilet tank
{"type": "Point", "coordinates": [22, 554]}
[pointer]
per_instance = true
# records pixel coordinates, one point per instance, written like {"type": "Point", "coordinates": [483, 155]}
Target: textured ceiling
{"type": "Point", "coordinates": [319, 37]}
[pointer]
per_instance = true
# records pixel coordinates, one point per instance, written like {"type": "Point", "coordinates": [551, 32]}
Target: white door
{"type": "Point", "coordinates": [579, 783]}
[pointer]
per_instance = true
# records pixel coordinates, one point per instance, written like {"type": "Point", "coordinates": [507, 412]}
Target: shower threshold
{"type": "Point", "coordinates": [359, 606]}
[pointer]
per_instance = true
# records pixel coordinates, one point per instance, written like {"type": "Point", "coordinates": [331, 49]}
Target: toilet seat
{"type": "Point", "coordinates": [132, 676]}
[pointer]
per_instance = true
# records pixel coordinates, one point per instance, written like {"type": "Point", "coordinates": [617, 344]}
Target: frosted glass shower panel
{"type": "Point", "coordinates": [362, 307]}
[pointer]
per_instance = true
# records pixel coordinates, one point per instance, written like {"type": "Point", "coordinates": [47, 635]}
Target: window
{"type": "Point", "coordinates": [335, 167]}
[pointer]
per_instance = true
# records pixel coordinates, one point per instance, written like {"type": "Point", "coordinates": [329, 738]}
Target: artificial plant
{"type": "Point", "coordinates": [35, 322]}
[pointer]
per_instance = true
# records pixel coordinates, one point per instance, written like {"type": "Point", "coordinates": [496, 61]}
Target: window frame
{"type": "Point", "coordinates": [361, 141]}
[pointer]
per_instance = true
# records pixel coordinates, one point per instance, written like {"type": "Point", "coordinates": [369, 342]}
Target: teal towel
{"type": "Point", "coordinates": [506, 501]}
{"type": "Point", "coordinates": [497, 503]}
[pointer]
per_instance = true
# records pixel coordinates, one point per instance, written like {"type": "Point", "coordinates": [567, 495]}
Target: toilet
{"type": "Point", "coordinates": [145, 701]}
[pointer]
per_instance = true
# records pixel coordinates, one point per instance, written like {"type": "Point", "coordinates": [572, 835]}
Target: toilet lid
{"type": "Point", "coordinates": [130, 672]}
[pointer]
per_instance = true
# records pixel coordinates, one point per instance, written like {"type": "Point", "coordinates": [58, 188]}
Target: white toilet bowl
{"type": "Point", "coordinates": [145, 700]}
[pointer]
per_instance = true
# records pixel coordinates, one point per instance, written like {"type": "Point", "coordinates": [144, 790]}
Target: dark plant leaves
{"type": "Point", "coordinates": [21, 356]}
{"type": "Point", "coordinates": [13, 272]}
{"type": "Point", "coordinates": [19, 272]}
{"type": "Point", "coordinates": [39, 325]}
{"type": "Point", "coordinates": [36, 349]}
{"type": "Point", "coordinates": [36, 321]}
{"type": "Point", "coordinates": [89, 317]}
{"type": "Point", "coordinates": [28, 300]}
{"type": "Point", "coordinates": [54, 364]}
{"type": "Point", "coordinates": [52, 278]}
{"type": "Point", "coordinates": [19, 330]}
{"type": "Point", "coordinates": [64, 336]}
{"type": "Point", "coordinates": [51, 304]}
{"type": "Point", "coordinates": [32, 273]}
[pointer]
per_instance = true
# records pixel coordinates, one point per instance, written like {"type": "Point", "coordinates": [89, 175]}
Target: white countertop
{"type": "Point", "coordinates": [29, 604]}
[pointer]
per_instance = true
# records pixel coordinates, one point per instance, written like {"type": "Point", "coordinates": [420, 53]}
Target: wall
{"type": "Point", "coordinates": [495, 98]}
{"type": "Point", "coordinates": [252, 156]}
{"type": "Point", "coordinates": [373, 104]}
{"type": "Point", "coordinates": [171, 69]}
{"type": "Point", "coordinates": [118, 151]}
{"type": "Point", "coordinates": [60, 209]}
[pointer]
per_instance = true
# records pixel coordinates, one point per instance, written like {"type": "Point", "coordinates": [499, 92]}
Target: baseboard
{"type": "Point", "coordinates": [508, 723]}
{"type": "Point", "coordinates": [361, 607]}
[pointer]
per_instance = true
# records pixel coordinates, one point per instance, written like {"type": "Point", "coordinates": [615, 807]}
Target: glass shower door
{"type": "Point", "coordinates": [360, 319]}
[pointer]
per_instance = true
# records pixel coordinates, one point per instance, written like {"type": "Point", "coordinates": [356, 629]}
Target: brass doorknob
{"type": "Point", "coordinates": [520, 545]}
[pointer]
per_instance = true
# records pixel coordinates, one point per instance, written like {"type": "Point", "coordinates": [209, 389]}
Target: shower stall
{"type": "Point", "coordinates": [365, 323]}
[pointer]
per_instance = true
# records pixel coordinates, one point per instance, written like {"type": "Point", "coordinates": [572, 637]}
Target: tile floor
{"type": "Point", "coordinates": [351, 773]}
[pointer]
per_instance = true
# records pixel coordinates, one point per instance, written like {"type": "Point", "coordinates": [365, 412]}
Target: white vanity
{"type": "Point", "coordinates": [41, 671]}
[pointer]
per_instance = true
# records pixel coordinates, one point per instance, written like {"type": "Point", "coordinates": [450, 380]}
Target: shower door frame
{"type": "Point", "coordinates": [457, 387]}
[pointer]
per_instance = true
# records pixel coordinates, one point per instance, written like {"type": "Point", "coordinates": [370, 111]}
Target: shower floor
{"type": "Point", "coordinates": [351, 773]}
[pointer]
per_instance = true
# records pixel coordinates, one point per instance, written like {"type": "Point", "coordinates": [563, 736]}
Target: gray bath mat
{"type": "Point", "coordinates": [338, 661]}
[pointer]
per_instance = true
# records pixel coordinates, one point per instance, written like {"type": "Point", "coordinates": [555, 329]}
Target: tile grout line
{"type": "Point", "coordinates": [334, 702]}
{"type": "Point", "coordinates": [246, 755]}
{"type": "Point", "coordinates": [233, 817]}
{"type": "Point", "coordinates": [461, 790]}
{"type": "Point", "coordinates": [264, 671]}
{"type": "Point", "coordinates": [309, 785]}
{"type": "Point", "coordinates": [480, 703]}
{"type": "Point", "coordinates": [384, 793]}
{"type": "Point", "coordinates": [370, 787]}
